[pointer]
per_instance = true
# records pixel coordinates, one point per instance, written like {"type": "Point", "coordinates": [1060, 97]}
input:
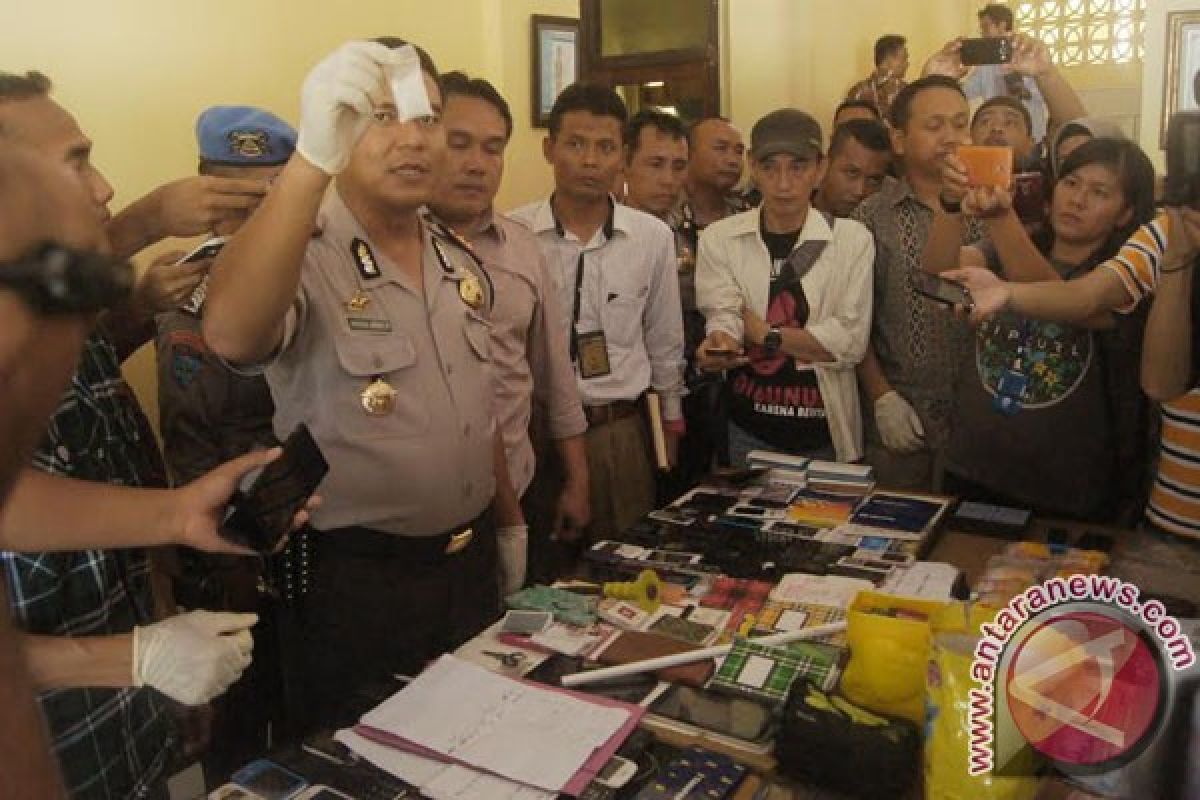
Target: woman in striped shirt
{"type": "Point", "coordinates": [1170, 356]}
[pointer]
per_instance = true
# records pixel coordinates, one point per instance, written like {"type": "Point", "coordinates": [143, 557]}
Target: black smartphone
{"type": "Point", "coordinates": [1029, 197]}
{"type": "Point", "coordinates": [941, 290]}
{"type": "Point", "coordinates": [1182, 187]}
{"type": "Point", "coordinates": [208, 249]}
{"type": "Point", "coordinates": [996, 50]}
{"type": "Point", "coordinates": [261, 513]}
{"type": "Point", "coordinates": [52, 280]}
{"type": "Point", "coordinates": [719, 713]}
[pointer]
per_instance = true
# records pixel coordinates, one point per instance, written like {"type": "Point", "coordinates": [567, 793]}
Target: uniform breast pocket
{"type": "Point", "coordinates": [379, 393]}
{"type": "Point", "coordinates": [479, 336]}
{"type": "Point", "coordinates": [624, 306]}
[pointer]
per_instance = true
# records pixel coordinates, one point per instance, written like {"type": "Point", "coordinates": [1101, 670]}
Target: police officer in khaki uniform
{"type": "Point", "coordinates": [372, 323]}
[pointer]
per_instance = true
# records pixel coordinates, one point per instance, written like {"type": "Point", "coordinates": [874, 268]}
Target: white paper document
{"type": "Point", "coordinates": [438, 780]}
{"type": "Point", "coordinates": [528, 734]}
{"type": "Point", "coordinates": [926, 580]}
{"type": "Point", "coordinates": [820, 590]}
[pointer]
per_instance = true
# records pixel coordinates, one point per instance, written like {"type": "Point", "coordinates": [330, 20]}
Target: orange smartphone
{"type": "Point", "coordinates": [987, 165]}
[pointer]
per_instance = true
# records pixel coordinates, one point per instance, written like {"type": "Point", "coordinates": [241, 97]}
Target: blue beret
{"type": "Point", "coordinates": [243, 136]}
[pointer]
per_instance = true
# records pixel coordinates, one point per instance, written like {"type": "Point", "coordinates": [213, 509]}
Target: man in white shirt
{"type": "Point", "coordinates": [614, 269]}
{"type": "Point", "coordinates": [791, 287]}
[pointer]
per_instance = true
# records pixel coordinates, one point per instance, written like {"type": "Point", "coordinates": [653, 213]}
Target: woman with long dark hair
{"type": "Point", "coordinates": [1050, 409]}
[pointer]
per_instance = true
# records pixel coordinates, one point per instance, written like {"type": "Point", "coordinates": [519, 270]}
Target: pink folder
{"type": "Point", "coordinates": [578, 782]}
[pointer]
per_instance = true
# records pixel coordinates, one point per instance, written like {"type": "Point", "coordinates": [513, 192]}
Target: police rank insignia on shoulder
{"type": "Point", "coordinates": [470, 287]}
{"type": "Point", "coordinates": [364, 259]}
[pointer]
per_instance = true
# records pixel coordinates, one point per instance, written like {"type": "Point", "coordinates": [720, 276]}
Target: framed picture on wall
{"type": "Point", "coordinates": [1181, 90]}
{"type": "Point", "coordinates": [555, 62]}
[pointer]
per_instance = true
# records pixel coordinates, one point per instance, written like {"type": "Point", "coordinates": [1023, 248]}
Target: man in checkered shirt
{"type": "Point", "coordinates": [92, 646]}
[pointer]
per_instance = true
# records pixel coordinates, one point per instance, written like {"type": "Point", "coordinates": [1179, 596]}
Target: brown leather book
{"type": "Point", "coordinates": [632, 646]}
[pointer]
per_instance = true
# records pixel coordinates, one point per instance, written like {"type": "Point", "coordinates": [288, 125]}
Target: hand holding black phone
{"type": "Point", "coordinates": [261, 513]}
{"type": "Point", "coordinates": [995, 50]}
{"type": "Point", "coordinates": [941, 290]}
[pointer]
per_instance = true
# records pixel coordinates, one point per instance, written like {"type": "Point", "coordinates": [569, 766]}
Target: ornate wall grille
{"type": "Point", "coordinates": [1086, 31]}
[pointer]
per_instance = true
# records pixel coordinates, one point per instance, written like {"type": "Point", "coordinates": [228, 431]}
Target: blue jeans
{"type": "Point", "coordinates": [741, 442]}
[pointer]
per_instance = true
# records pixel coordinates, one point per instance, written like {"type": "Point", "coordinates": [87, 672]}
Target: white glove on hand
{"type": "Point", "coordinates": [193, 657]}
{"type": "Point", "coordinates": [512, 544]}
{"type": "Point", "coordinates": [898, 423]}
{"type": "Point", "coordinates": [335, 103]}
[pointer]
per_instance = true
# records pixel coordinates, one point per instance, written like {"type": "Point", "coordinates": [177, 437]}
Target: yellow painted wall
{"type": "Point", "coordinates": [136, 73]}
{"type": "Point", "coordinates": [807, 54]}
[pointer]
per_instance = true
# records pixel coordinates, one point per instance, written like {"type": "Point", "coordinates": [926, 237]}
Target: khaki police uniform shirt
{"type": "Point", "coordinates": [425, 466]}
{"type": "Point", "coordinates": [529, 352]}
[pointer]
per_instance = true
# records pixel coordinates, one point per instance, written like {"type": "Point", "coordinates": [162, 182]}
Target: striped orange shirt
{"type": "Point", "coordinates": [1137, 263]}
{"type": "Point", "coordinates": [1175, 499]}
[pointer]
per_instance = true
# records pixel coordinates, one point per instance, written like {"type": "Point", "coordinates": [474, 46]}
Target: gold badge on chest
{"type": "Point", "coordinates": [471, 292]}
{"type": "Point", "coordinates": [379, 398]}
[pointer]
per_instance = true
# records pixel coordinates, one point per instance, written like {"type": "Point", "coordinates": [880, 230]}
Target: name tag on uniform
{"type": "Point", "coordinates": [593, 355]}
{"type": "Point", "coordinates": [371, 325]}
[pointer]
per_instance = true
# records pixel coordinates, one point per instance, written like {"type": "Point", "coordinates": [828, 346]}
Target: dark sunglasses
{"type": "Point", "coordinates": [52, 280]}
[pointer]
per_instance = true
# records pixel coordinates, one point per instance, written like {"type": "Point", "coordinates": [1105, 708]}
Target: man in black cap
{"type": "Point", "coordinates": [790, 287]}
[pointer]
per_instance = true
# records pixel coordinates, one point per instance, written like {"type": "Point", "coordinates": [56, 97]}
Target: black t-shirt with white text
{"type": "Point", "coordinates": [773, 397]}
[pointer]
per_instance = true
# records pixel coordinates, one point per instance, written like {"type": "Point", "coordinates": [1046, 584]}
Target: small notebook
{"type": "Point", "coordinates": [766, 674]}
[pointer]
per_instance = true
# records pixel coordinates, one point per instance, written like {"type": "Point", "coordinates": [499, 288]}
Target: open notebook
{"type": "Point", "coordinates": [538, 736]}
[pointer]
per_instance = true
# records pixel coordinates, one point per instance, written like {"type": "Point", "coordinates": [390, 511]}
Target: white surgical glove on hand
{"type": "Point", "coordinates": [898, 423]}
{"type": "Point", "coordinates": [335, 103]}
{"type": "Point", "coordinates": [193, 657]}
{"type": "Point", "coordinates": [511, 546]}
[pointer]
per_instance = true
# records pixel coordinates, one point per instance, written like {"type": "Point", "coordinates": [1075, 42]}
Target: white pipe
{"type": "Point", "coordinates": [662, 662]}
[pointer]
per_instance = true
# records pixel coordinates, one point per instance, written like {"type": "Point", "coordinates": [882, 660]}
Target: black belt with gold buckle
{"type": "Point", "coordinates": [367, 543]}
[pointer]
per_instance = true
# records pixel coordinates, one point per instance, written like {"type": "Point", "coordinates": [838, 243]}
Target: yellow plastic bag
{"type": "Point", "coordinates": [889, 649]}
{"type": "Point", "coordinates": [947, 721]}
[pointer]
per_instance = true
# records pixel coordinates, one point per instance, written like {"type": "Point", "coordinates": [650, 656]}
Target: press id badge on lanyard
{"type": "Point", "coordinates": [588, 350]}
{"type": "Point", "coordinates": [593, 355]}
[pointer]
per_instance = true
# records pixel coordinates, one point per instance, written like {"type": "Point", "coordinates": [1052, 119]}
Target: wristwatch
{"type": "Point", "coordinates": [773, 340]}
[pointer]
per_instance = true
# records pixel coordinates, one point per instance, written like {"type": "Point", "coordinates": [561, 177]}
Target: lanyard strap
{"type": "Point", "coordinates": [575, 313]}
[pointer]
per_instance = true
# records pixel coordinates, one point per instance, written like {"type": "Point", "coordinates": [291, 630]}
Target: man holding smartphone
{"type": "Point", "coordinates": [792, 286]}
{"type": "Point", "coordinates": [909, 371]}
{"type": "Point", "coordinates": [999, 79]}
{"type": "Point", "coordinates": [90, 635]}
